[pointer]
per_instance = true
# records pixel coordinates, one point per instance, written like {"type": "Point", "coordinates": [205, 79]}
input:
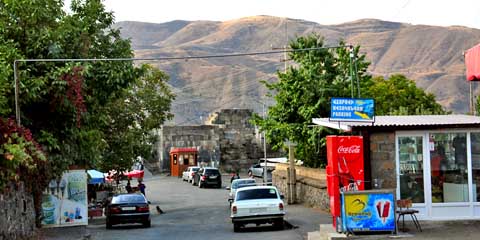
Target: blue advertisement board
{"type": "Point", "coordinates": [365, 211]}
{"type": "Point", "coordinates": [351, 109]}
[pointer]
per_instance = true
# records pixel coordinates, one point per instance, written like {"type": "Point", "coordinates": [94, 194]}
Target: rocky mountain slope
{"type": "Point", "coordinates": [430, 55]}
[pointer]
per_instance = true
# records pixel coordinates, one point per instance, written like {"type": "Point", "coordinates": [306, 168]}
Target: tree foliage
{"type": "Point", "coordinates": [399, 95]}
{"type": "Point", "coordinates": [304, 91]}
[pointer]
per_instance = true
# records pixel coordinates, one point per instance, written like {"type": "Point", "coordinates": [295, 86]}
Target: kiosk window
{"type": "Point", "coordinates": [449, 175]}
{"type": "Point", "coordinates": [410, 152]}
{"type": "Point", "coordinates": [475, 139]}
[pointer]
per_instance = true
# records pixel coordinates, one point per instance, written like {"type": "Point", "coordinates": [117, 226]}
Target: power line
{"type": "Point", "coordinates": [173, 58]}
{"type": "Point", "coordinates": [17, 61]}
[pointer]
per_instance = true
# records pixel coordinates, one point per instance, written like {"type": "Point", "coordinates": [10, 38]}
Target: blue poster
{"type": "Point", "coordinates": [350, 109]}
{"type": "Point", "coordinates": [367, 211]}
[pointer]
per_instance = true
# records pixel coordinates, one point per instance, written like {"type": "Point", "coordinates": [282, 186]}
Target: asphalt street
{"type": "Point", "coordinates": [191, 212]}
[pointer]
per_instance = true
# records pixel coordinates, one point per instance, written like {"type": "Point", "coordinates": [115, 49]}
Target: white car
{"type": "Point", "coordinates": [189, 173]}
{"type": "Point", "coordinates": [240, 183]}
{"type": "Point", "coordinates": [258, 205]}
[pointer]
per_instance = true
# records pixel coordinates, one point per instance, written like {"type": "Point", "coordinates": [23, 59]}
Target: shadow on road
{"type": "Point", "coordinates": [127, 226]}
{"type": "Point", "coordinates": [266, 228]}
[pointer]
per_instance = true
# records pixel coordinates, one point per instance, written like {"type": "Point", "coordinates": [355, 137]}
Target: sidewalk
{"type": "Point", "coordinates": [431, 230]}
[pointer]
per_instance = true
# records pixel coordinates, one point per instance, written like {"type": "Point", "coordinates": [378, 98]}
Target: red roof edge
{"type": "Point", "coordinates": [178, 150]}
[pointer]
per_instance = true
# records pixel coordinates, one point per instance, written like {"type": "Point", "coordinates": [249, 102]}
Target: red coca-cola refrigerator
{"type": "Point", "coordinates": [345, 168]}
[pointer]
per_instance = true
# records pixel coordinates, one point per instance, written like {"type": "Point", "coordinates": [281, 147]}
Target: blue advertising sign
{"type": "Point", "coordinates": [351, 109]}
{"type": "Point", "coordinates": [368, 211]}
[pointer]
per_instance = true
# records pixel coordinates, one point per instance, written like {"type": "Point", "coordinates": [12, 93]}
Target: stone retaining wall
{"type": "Point", "coordinates": [311, 185]}
{"type": "Point", "coordinates": [17, 218]}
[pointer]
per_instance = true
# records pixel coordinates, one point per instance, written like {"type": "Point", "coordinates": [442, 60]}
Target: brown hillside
{"type": "Point", "coordinates": [430, 55]}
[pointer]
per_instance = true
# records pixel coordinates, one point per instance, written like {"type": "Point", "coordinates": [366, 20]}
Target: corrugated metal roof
{"type": "Point", "coordinates": [411, 120]}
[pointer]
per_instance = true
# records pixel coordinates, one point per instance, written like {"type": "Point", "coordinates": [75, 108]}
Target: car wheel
{"type": "Point", "coordinates": [108, 223]}
{"type": "Point", "coordinates": [278, 224]}
{"type": "Point", "coordinates": [147, 224]}
{"type": "Point", "coordinates": [236, 227]}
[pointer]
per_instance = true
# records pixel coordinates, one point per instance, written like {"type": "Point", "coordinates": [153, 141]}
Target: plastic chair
{"type": "Point", "coordinates": [404, 208]}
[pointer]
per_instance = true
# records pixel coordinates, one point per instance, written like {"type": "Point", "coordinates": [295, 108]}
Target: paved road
{"type": "Point", "coordinates": [191, 212]}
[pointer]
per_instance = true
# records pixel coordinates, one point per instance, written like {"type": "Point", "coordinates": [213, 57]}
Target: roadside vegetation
{"type": "Point", "coordinates": [96, 114]}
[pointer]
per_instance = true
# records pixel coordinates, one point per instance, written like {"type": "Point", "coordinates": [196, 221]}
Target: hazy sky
{"type": "Point", "coordinates": [430, 12]}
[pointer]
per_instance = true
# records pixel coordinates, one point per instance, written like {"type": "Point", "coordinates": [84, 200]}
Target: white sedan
{"type": "Point", "coordinates": [189, 173]}
{"type": "Point", "coordinates": [258, 205]}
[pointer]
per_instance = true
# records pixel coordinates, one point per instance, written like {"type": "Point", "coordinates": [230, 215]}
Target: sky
{"type": "Point", "coordinates": [429, 12]}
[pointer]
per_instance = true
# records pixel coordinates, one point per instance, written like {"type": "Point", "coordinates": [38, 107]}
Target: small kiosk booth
{"type": "Point", "coordinates": [432, 160]}
{"type": "Point", "coordinates": [181, 159]}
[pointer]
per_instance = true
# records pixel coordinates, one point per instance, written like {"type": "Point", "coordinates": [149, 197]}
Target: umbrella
{"type": "Point", "coordinates": [95, 177]}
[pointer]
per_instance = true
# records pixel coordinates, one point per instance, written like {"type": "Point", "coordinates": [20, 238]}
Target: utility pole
{"type": "Point", "coordinates": [265, 179]}
{"type": "Point", "coordinates": [291, 175]}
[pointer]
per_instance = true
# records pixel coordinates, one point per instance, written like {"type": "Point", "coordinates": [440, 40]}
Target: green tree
{"type": "Point", "coordinates": [136, 115]}
{"type": "Point", "coordinates": [399, 95]}
{"type": "Point", "coordinates": [66, 105]}
{"type": "Point", "coordinates": [305, 90]}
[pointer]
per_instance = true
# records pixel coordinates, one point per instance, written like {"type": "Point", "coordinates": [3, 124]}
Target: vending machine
{"type": "Point", "coordinates": [345, 169]}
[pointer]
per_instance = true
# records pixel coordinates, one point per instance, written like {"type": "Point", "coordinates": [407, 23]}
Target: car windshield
{"type": "Point", "coordinates": [211, 171]}
{"type": "Point", "coordinates": [195, 169]}
{"type": "Point", "coordinates": [243, 183]}
{"type": "Point", "coordinates": [128, 199]}
{"type": "Point", "coordinates": [261, 193]}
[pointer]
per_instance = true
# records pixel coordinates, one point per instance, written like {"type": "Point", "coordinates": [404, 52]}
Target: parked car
{"type": "Point", "coordinates": [239, 183]}
{"type": "Point", "coordinates": [258, 205]}
{"type": "Point", "coordinates": [189, 173]}
{"type": "Point", "coordinates": [257, 170]}
{"type": "Point", "coordinates": [127, 208]}
{"type": "Point", "coordinates": [208, 176]}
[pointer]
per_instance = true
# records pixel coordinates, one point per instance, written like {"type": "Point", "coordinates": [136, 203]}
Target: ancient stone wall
{"type": "Point", "coordinates": [228, 138]}
{"type": "Point", "coordinates": [203, 137]}
{"type": "Point", "coordinates": [238, 144]}
{"type": "Point", "coordinates": [17, 220]}
{"type": "Point", "coordinates": [310, 185]}
{"type": "Point", "coordinates": [382, 158]}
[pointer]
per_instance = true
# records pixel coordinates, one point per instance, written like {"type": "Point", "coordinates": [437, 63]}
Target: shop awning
{"type": "Point", "coordinates": [472, 62]}
{"type": "Point", "coordinates": [95, 177]}
{"type": "Point", "coordinates": [134, 174]}
{"type": "Point", "coordinates": [415, 121]}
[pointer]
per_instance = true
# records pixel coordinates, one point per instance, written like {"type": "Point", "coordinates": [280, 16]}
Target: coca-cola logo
{"type": "Point", "coordinates": [349, 150]}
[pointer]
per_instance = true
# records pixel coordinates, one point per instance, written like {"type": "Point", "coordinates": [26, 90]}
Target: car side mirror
{"type": "Point", "coordinates": [227, 188]}
{"type": "Point", "coordinates": [282, 196]}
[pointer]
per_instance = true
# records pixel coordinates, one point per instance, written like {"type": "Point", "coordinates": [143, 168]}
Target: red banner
{"type": "Point", "coordinates": [472, 62]}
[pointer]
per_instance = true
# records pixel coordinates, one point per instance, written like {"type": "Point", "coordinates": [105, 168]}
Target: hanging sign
{"type": "Point", "coordinates": [351, 109]}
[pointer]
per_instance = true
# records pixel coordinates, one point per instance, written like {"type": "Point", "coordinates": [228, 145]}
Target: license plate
{"type": "Point", "coordinates": [128, 208]}
{"type": "Point", "coordinates": [257, 210]}
{"type": "Point", "coordinates": [213, 177]}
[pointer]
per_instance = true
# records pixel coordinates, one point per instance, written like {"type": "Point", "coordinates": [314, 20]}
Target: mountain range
{"type": "Point", "coordinates": [430, 55]}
